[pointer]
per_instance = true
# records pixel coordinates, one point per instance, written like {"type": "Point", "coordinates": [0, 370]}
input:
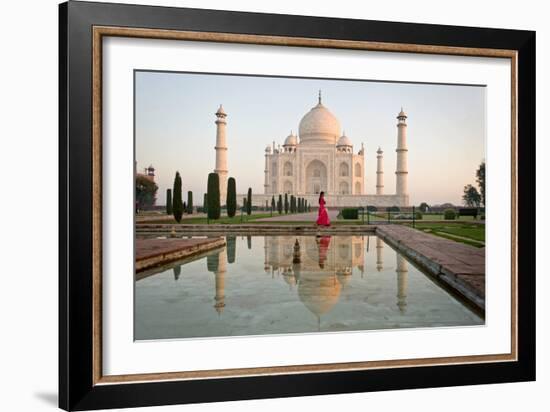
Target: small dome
{"type": "Point", "coordinates": [344, 141]}
{"type": "Point", "coordinates": [319, 125]}
{"type": "Point", "coordinates": [291, 140]}
{"type": "Point", "coordinates": [379, 151]}
{"type": "Point", "coordinates": [268, 149]}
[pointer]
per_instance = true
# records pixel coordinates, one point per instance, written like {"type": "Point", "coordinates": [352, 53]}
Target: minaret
{"type": "Point", "coordinates": [220, 282]}
{"type": "Point", "coordinates": [402, 283]}
{"type": "Point", "coordinates": [379, 251]}
{"type": "Point", "coordinates": [379, 173]}
{"type": "Point", "coordinates": [266, 170]}
{"type": "Point", "coordinates": [401, 172]}
{"type": "Point", "coordinates": [221, 153]}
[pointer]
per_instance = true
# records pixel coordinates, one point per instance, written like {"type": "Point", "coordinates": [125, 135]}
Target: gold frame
{"type": "Point", "coordinates": [100, 31]}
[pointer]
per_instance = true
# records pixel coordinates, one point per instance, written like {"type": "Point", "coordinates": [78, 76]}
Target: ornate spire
{"type": "Point", "coordinates": [320, 97]}
{"type": "Point", "coordinates": [402, 115]}
{"type": "Point", "coordinates": [220, 113]}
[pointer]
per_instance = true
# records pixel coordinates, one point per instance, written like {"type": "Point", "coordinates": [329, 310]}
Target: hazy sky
{"type": "Point", "coordinates": [175, 129]}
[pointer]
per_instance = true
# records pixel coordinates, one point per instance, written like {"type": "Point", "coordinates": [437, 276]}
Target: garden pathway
{"type": "Point", "coordinates": [297, 217]}
{"type": "Point", "coordinates": [460, 266]}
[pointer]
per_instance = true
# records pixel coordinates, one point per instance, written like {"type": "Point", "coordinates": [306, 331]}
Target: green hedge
{"type": "Point", "coordinates": [350, 213]}
{"type": "Point", "coordinates": [449, 214]}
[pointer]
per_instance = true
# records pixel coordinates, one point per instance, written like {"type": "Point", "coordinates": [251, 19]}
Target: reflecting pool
{"type": "Point", "coordinates": [260, 285]}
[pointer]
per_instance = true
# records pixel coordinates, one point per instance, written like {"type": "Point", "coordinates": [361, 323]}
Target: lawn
{"type": "Point", "coordinates": [466, 233]}
{"type": "Point", "coordinates": [224, 220]}
{"type": "Point", "coordinates": [383, 216]}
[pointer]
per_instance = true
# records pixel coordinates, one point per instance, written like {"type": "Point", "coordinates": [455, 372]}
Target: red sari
{"type": "Point", "coordinates": [323, 219]}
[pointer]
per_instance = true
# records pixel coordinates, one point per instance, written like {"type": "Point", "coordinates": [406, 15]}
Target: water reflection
{"type": "Point", "coordinates": [328, 283]}
{"type": "Point", "coordinates": [231, 248]}
{"type": "Point", "coordinates": [217, 263]}
{"type": "Point", "coordinates": [320, 267]}
{"type": "Point", "coordinates": [177, 272]}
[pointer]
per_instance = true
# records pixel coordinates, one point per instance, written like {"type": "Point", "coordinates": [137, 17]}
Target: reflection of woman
{"type": "Point", "coordinates": [322, 219]}
{"type": "Point", "coordinates": [324, 243]}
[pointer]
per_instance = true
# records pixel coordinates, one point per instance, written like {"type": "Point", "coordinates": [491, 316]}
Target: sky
{"type": "Point", "coordinates": [175, 129]}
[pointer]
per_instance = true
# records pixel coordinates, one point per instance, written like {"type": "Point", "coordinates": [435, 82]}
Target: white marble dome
{"type": "Point", "coordinates": [344, 141]}
{"type": "Point", "coordinates": [319, 126]}
{"type": "Point", "coordinates": [291, 140]}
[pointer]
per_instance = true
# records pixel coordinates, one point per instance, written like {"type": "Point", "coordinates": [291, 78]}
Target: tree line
{"type": "Point", "coordinates": [212, 204]}
{"type": "Point", "coordinates": [472, 197]}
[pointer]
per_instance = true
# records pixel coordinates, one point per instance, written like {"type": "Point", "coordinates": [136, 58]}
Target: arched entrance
{"type": "Point", "coordinates": [316, 177]}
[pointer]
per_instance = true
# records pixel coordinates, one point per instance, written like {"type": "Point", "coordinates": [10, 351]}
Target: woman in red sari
{"type": "Point", "coordinates": [323, 219]}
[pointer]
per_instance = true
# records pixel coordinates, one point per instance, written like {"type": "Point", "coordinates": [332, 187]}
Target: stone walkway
{"type": "Point", "coordinates": [298, 217]}
{"type": "Point", "coordinates": [460, 266]}
{"type": "Point", "coordinates": [156, 252]}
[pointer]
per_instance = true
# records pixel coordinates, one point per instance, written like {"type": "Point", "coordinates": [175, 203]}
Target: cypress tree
{"type": "Point", "coordinates": [280, 205]}
{"type": "Point", "coordinates": [300, 205]}
{"type": "Point", "coordinates": [231, 248]}
{"type": "Point", "coordinates": [249, 202]}
{"type": "Point", "coordinates": [190, 202]}
{"type": "Point", "coordinates": [205, 203]}
{"type": "Point", "coordinates": [214, 207]}
{"type": "Point", "coordinates": [273, 202]}
{"type": "Point", "coordinates": [177, 205]}
{"type": "Point", "coordinates": [286, 203]}
{"type": "Point", "coordinates": [231, 197]}
{"type": "Point", "coordinates": [168, 201]}
{"type": "Point", "coordinates": [291, 203]}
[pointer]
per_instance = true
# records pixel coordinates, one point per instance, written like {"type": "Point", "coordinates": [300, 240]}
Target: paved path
{"type": "Point", "coordinates": [459, 265]}
{"type": "Point", "coordinates": [155, 252]}
{"type": "Point", "coordinates": [298, 217]}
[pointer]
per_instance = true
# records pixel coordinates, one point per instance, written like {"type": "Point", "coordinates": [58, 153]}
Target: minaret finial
{"type": "Point", "coordinates": [320, 96]}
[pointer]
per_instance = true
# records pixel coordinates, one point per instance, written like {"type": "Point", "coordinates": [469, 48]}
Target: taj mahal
{"type": "Point", "coordinates": [320, 158]}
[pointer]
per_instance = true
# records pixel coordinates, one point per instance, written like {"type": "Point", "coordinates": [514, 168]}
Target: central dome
{"type": "Point", "coordinates": [319, 126]}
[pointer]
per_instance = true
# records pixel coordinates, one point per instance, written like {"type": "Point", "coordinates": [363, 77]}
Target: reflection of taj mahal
{"type": "Point", "coordinates": [318, 268]}
{"type": "Point", "coordinates": [321, 158]}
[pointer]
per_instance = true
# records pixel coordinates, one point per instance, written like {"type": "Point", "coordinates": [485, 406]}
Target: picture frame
{"type": "Point", "coordinates": [82, 28]}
